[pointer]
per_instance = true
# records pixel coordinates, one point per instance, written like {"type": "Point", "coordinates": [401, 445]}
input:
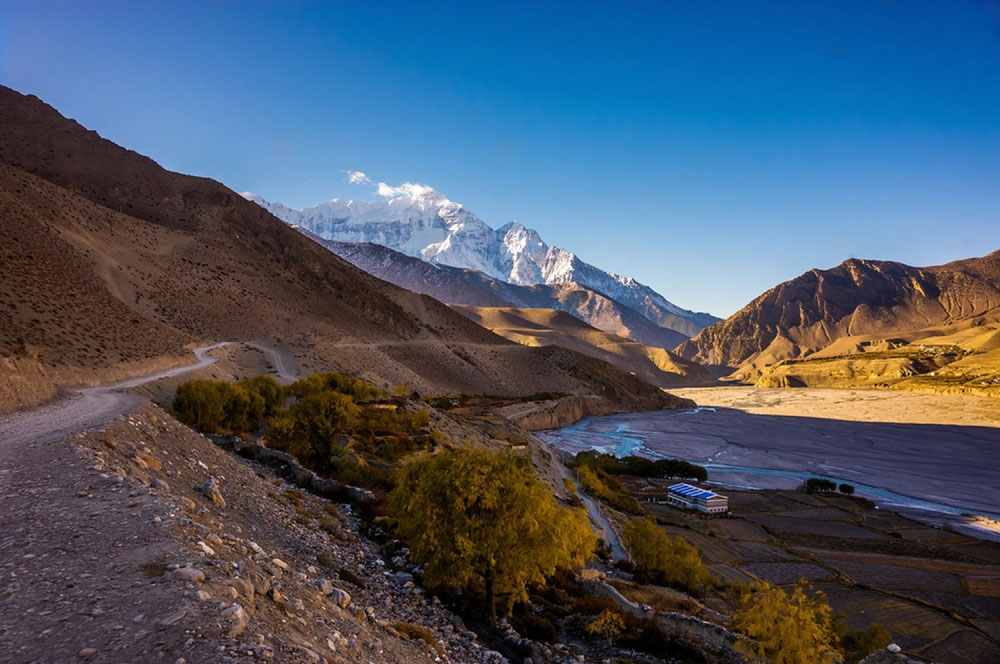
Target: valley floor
{"type": "Point", "coordinates": [855, 405]}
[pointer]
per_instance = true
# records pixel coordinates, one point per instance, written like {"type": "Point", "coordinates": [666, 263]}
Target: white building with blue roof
{"type": "Point", "coordinates": [695, 498]}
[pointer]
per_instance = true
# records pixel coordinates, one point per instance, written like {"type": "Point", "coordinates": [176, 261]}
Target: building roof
{"type": "Point", "coordinates": [689, 491]}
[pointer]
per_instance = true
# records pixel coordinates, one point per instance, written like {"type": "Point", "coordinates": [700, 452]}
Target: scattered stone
{"type": "Point", "coordinates": [202, 596]}
{"type": "Point", "coordinates": [237, 619]}
{"type": "Point", "coordinates": [325, 586]}
{"type": "Point", "coordinates": [192, 574]}
{"type": "Point", "coordinates": [211, 489]}
{"type": "Point", "coordinates": [278, 562]}
{"type": "Point", "coordinates": [340, 597]}
{"type": "Point", "coordinates": [88, 652]}
{"type": "Point", "coordinates": [160, 485]}
{"type": "Point", "coordinates": [243, 587]}
{"type": "Point", "coordinates": [187, 503]}
{"type": "Point", "coordinates": [171, 619]}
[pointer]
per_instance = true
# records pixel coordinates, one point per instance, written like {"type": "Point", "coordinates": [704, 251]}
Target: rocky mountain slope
{"type": "Point", "coordinates": [548, 327]}
{"type": "Point", "coordinates": [864, 312]}
{"type": "Point", "coordinates": [114, 266]}
{"type": "Point", "coordinates": [418, 221]}
{"type": "Point", "coordinates": [141, 565]}
{"type": "Point", "coordinates": [462, 286]}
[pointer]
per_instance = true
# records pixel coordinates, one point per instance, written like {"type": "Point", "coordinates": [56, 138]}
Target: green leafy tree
{"type": "Point", "coordinates": [473, 514]}
{"type": "Point", "coordinates": [846, 489]}
{"type": "Point", "coordinates": [787, 628]}
{"type": "Point", "coordinates": [354, 387]}
{"type": "Point", "coordinates": [214, 406]}
{"type": "Point", "coordinates": [266, 396]}
{"type": "Point", "coordinates": [313, 424]}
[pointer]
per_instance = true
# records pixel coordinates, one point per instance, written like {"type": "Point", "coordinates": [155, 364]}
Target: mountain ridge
{"type": "Point", "coordinates": [420, 222]}
{"type": "Point", "coordinates": [859, 298]}
{"type": "Point", "coordinates": [462, 286]}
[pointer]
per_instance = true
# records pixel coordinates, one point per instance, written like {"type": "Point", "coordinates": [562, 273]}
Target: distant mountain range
{"type": "Point", "coordinates": [461, 286]}
{"type": "Point", "coordinates": [866, 322]}
{"type": "Point", "coordinates": [420, 222]}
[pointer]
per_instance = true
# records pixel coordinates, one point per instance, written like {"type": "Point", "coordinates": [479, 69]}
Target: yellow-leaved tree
{"type": "Point", "coordinates": [787, 628]}
{"type": "Point", "coordinates": [475, 514]}
{"type": "Point", "coordinates": [673, 557]}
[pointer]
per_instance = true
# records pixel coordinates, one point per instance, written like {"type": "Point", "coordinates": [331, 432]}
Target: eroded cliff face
{"type": "Point", "coordinates": [558, 413]}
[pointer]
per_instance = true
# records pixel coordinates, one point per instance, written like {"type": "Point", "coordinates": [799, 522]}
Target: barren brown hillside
{"type": "Point", "coordinates": [548, 327]}
{"type": "Point", "coordinates": [858, 306]}
{"type": "Point", "coordinates": [113, 265]}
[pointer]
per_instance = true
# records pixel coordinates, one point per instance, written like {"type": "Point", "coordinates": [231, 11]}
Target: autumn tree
{"type": "Point", "coordinates": [786, 628]}
{"type": "Point", "coordinates": [672, 557]}
{"type": "Point", "coordinates": [312, 424]}
{"type": "Point", "coordinates": [476, 515]}
{"type": "Point", "coordinates": [609, 624]}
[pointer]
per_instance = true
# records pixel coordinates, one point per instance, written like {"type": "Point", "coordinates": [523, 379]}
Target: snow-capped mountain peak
{"type": "Point", "coordinates": [419, 221]}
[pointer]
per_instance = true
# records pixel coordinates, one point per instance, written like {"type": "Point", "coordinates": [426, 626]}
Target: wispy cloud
{"type": "Point", "coordinates": [357, 177]}
{"type": "Point", "coordinates": [407, 190]}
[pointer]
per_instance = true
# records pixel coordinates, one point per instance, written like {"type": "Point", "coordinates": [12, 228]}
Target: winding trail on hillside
{"type": "Point", "coordinates": [278, 360]}
{"type": "Point", "coordinates": [92, 406]}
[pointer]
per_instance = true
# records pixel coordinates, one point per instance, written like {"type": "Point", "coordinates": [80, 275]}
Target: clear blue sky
{"type": "Point", "coordinates": [709, 149]}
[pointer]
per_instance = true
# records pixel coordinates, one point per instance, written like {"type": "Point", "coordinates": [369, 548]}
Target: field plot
{"type": "Point", "coordinates": [964, 646]}
{"type": "Point", "coordinates": [730, 573]}
{"type": "Point", "coordinates": [912, 626]}
{"type": "Point", "coordinates": [819, 514]}
{"type": "Point", "coordinates": [761, 552]}
{"type": "Point", "coordinates": [807, 527]}
{"type": "Point", "coordinates": [741, 529]}
{"type": "Point", "coordinates": [787, 572]}
{"type": "Point", "coordinates": [895, 577]}
{"type": "Point", "coordinates": [984, 586]}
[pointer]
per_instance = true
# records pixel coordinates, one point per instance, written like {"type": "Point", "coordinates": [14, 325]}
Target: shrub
{"type": "Point", "coordinates": [609, 624]}
{"type": "Point", "coordinates": [214, 407]}
{"type": "Point", "coordinates": [846, 489]}
{"type": "Point", "coordinates": [608, 489]}
{"type": "Point", "coordinates": [358, 390]}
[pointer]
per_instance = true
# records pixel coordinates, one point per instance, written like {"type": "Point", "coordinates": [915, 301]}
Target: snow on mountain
{"type": "Point", "coordinates": [419, 221]}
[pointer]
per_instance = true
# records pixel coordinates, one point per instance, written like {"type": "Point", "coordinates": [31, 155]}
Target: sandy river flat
{"type": "Point", "coordinates": [851, 405]}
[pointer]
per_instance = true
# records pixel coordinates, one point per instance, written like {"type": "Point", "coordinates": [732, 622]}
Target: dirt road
{"type": "Point", "coordinates": [88, 408]}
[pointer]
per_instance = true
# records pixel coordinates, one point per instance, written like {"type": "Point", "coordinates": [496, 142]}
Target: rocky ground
{"type": "Point", "coordinates": [142, 541]}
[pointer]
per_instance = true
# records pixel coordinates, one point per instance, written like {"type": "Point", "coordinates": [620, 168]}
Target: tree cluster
{"type": "Point", "coordinates": [216, 406]}
{"type": "Point", "coordinates": [672, 560]}
{"type": "Point", "coordinates": [818, 484]}
{"type": "Point", "coordinates": [641, 466]}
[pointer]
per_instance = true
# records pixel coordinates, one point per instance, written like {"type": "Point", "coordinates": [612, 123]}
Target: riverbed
{"type": "Point", "coordinates": [935, 472]}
